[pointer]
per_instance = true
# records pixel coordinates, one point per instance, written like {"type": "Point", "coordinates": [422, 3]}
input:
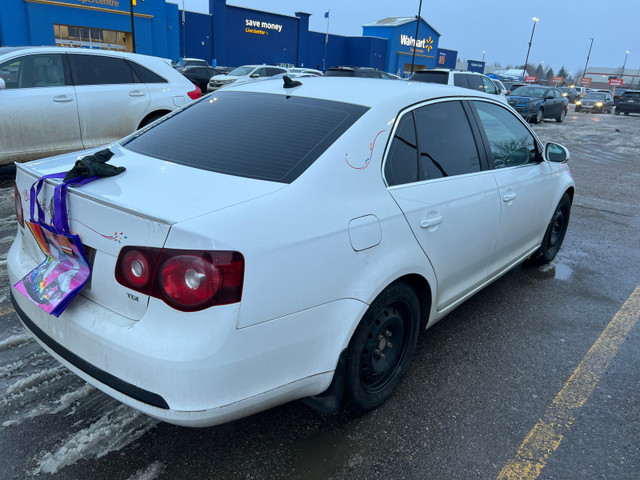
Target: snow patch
{"type": "Point", "coordinates": [112, 432]}
{"type": "Point", "coordinates": [35, 379]}
{"type": "Point", "coordinates": [15, 340]}
{"type": "Point", "coordinates": [149, 473]}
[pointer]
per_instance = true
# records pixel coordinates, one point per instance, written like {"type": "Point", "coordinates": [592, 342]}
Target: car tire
{"type": "Point", "coordinates": [560, 117]}
{"type": "Point", "coordinates": [554, 235]}
{"type": "Point", "coordinates": [617, 112]}
{"type": "Point", "coordinates": [578, 109]}
{"type": "Point", "coordinates": [539, 116]}
{"type": "Point", "coordinates": [626, 114]}
{"type": "Point", "coordinates": [381, 349]}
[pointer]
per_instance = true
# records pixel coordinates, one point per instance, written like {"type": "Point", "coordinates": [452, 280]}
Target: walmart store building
{"type": "Point", "coordinates": [228, 35]}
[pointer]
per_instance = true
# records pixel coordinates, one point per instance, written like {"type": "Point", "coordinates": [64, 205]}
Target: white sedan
{"type": "Point", "coordinates": [267, 244]}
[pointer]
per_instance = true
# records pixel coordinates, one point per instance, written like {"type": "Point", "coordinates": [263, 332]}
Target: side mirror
{"type": "Point", "coordinates": [255, 75]}
{"type": "Point", "coordinates": [548, 97]}
{"type": "Point", "coordinates": [2, 84]}
{"type": "Point", "coordinates": [554, 152]}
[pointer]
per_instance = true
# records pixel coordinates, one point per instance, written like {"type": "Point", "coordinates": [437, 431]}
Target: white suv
{"type": "Point", "coordinates": [55, 100]}
{"type": "Point", "coordinates": [465, 79]}
{"type": "Point", "coordinates": [243, 74]}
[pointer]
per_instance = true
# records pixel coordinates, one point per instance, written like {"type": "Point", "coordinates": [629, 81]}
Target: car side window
{"type": "Point", "coordinates": [100, 70]}
{"type": "Point", "coordinates": [147, 76]}
{"type": "Point", "coordinates": [274, 71]}
{"type": "Point", "coordinates": [489, 86]}
{"type": "Point", "coordinates": [460, 80]}
{"type": "Point", "coordinates": [475, 83]}
{"type": "Point", "coordinates": [402, 161]}
{"type": "Point", "coordinates": [511, 142]}
{"type": "Point", "coordinates": [32, 71]}
{"type": "Point", "coordinates": [445, 141]}
{"type": "Point", "coordinates": [261, 72]}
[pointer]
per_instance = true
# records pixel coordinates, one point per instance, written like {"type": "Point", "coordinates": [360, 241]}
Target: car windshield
{"type": "Point", "coordinates": [594, 96]}
{"type": "Point", "coordinates": [240, 71]}
{"type": "Point", "coordinates": [565, 89]}
{"type": "Point", "coordinates": [534, 92]}
{"type": "Point", "coordinates": [227, 133]}
{"type": "Point", "coordinates": [339, 73]}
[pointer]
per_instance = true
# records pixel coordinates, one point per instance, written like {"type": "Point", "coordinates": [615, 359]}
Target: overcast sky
{"type": "Point", "coordinates": [501, 28]}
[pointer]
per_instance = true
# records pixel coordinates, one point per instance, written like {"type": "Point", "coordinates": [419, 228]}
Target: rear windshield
{"type": "Point", "coordinates": [339, 73]}
{"type": "Point", "coordinates": [631, 95]}
{"type": "Point", "coordinates": [431, 77]}
{"type": "Point", "coordinates": [246, 134]}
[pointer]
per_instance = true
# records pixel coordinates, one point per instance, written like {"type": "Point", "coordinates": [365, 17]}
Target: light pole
{"type": "Point", "coordinates": [133, 26]}
{"type": "Point", "coordinates": [587, 62]}
{"type": "Point", "coordinates": [483, 52]}
{"type": "Point", "coordinates": [624, 65]}
{"type": "Point", "coordinates": [524, 69]}
{"type": "Point", "coordinates": [415, 43]}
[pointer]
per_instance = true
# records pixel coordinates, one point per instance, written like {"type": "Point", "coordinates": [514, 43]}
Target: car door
{"type": "Point", "coordinates": [38, 108]}
{"type": "Point", "coordinates": [524, 180]}
{"type": "Point", "coordinates": [111, 103]}
{"type": "Point", "coordinates": [434, 173]}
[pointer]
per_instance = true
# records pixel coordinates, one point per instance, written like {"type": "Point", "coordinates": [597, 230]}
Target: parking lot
{"type": "Point", "coordinates": [536, 376]}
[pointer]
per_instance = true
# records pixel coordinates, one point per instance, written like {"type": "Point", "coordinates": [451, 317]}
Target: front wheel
{"type": "Point", "coordinates": [553, 237]}
{"type": "Point", "coordinates": [538, 117]}
{"type": "Point", "coordinates": [382, 347]}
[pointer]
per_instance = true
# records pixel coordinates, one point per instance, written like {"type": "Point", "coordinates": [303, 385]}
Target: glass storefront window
{"type": "Point", "coordinates": [88, 37]}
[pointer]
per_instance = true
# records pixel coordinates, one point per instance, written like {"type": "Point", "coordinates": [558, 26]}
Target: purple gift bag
{"type": "Point", "coordinates": [54, 283]}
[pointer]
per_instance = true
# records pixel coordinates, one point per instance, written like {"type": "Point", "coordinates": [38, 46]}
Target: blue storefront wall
{"type": "Point", "coordinates": [400, 40]}
{"type": "Point", "coordinates": [253, 36]}
{"type": "Point", "coordinates": [30, 22]}
{"type": "Point", "coordinates": [196, 36]}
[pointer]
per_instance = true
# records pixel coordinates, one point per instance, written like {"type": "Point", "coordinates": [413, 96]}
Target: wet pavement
{"type": "Point", "coordinates": [480, 381]}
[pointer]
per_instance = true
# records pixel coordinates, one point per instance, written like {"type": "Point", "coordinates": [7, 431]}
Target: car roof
{"type": "Point", "coordinates": [85, 51]}
{"type": "Point", "coordinates": [370, 92]}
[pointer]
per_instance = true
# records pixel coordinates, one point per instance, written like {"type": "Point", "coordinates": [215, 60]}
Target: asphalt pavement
{"type": "Point", "coordinates": [536, 376]}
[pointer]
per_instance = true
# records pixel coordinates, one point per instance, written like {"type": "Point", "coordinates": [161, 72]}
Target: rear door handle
{"type": "Point", "coordinates": [136, 93]}
{"type": "Point", "coordinates": [62, 99]}
{"type": "Point", "coordinates": [508, 197]}
{"type": "Point", "coordinates": [431, 222]}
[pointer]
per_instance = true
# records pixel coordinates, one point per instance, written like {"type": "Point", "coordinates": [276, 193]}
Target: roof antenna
{"type": "Point", "coordinates": [288, 83]}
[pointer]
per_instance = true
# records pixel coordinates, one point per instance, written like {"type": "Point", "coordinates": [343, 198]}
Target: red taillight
{"type": "Point", "coordinates": [18, 203]}
{"type": "Point", "coordinates": [187, 280]}
{"type": "Point", "coordinates": [195, 94]}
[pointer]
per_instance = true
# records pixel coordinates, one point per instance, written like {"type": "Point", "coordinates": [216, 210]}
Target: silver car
{"type": "Point", "coordinates": [243, 73]}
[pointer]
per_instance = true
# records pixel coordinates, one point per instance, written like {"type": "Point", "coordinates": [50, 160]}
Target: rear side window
{"type": "Point", "coordinates": [447, 146]}
{"type": "Point", "coordinates": [460, 80]}
{"type": "Point", "coordinates": [145, 75]}
{"type": "Point", "coordinates": [254, 135]}
{"type": "Point", "coordinates": [475, 82]}
{"type": "Point", "coordinates": [431, 77]}
{"type": "Point", "coordinates": [402, 162]}
{"type": "Point", "coordinates": [99, 70]}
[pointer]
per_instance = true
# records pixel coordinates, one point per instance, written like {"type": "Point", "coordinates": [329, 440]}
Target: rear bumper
{"type": "Point", "coordinates": [194, 369]}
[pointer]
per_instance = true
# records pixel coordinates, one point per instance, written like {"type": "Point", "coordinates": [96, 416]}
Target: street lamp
{"type": "Point", "coordinates": [483, 52]}
{"type": "Point", "coordinates": [524, 69]}
{"type": "Point", "coordinates": [587, 62]}
{"type": "Point", "coordinates": [624, 65]}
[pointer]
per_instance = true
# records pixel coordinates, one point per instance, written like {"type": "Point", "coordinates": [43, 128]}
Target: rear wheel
{"type": "Point", "coordinates": [382, 347]}
{"type": "Point", "coordinates": [150, 119]}
{"type": "Point", "coordinates": [560, 117]}
{"type": "Point", "coordinates": [617, 112]}
{"type": "Point", "coordinates": [553, 237]}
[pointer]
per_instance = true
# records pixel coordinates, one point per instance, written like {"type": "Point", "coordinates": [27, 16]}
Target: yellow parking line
{"type": "Point", "coordinates": [545, 437]}
{"type": "Point", "coordinates": [6, 310]}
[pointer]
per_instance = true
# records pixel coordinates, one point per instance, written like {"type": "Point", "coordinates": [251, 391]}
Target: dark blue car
{"type": "Point", "coordinates": [535, 102]}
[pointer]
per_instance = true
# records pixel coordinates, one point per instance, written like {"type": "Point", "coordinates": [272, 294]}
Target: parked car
{"type": "Point", "coordinates": [581, 92]}
{"type": "Point", "coordinates": [595, 102]}
{"type": "Point", "coordinates": [243, 73]}
{"type": "Point", "coordinates": [617, 93]}
{"type": "Point", "coordinates": [502, 89]}
{"type": "Point", "coordinates": [360, 72]}
{"type": "Point", "coordinates": [570, 92]}
{"type": "Point", "coordinates": [55, 100]}
{"type": "Point", "coordinates": [191, 62]}
{"type": "Point", "coordinates": [472, 80]}
{"type": "Point", "coordinates": [310, 71]}
{"type": "Point", "coordinates": [200, 75]}
{"type": "Point", "coordinates": [628, 102]}
{"type": "Point", "coordinates": [535, 102]}
{"type": "Point", "coordinates": [257, 287]}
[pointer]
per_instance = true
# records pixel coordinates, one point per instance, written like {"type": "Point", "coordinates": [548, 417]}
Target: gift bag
{"type": "Point", "coordinates": [59, 278]}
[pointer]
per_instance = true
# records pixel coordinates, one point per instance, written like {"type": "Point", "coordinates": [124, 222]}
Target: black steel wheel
{"type": "Point", "coordinates": [382, 347]}
{"type": "Point", "coordinates": [554, 235]}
